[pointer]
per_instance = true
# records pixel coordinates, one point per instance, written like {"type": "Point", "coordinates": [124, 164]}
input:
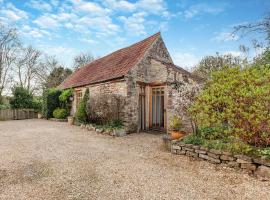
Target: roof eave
{"type": "Point", "coordinates": [93, 83]}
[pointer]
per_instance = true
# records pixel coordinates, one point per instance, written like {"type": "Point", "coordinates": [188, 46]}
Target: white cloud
{"type": "Point", "coordinates": [199, 9]}
{"type": "Point", "coordinates": [135, 23]}
{"type": "Point", "coordinates": [185, 60]}
{"type": "Point", "coordinates": [84, 16]}
{"type": "Point", "coordinates": [90, 41]}
{"type": "Point", "coordinates": [225, 37]}
{"type": "Point", "coordinates": [121, 5]}
{"type": "Point", "coordinates": [89, 8]}
{"type": "Point", "coordinates": [62, 16]}
{"type": "Point", "coordinates": [28, 31]}
{"type": "Point", "coordinates": [19, 12]}
{"type": "Point", "coordinates": [103, 24]}
{"type": "Point", "coordinates": [64, 54]}
{"type": "Point", "coordinates": [69, 25]}
{"type": "Point", "coordinates": [149, 6]}
{"type": "Point", "coordinates": [39, 5]}
{"type": "Point", "coordinates": [11, 13]}
{"type": "Point", "coordinates": [54, 2]}
{"type": "Point", "coordinates": [47, 22]}
{"type": "Point", "coordinates": [153, 6]}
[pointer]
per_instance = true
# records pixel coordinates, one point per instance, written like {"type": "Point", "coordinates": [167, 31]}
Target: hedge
{"type": "Point", "coordinates": [50, 101]}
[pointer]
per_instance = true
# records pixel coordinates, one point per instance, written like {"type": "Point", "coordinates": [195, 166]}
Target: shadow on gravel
{"type": "Point", "coordinates": [31, 172]}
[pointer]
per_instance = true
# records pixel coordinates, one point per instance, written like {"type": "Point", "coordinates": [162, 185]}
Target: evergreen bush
{"type": "Point", "coordinates": [81, 114]}
{"type": "Point", "coordinates": [22, 98]}
{"type": "Point", "coordinates": [50, 102]}
{"type": "Point", "coordinates": [60, 113]}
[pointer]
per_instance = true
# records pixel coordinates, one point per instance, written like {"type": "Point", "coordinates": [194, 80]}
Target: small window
{"type": "Point", "coordinates": [78, 97]}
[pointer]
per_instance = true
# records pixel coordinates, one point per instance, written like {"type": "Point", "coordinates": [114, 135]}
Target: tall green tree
{"type": "Point", "coordinates": [21, 98]}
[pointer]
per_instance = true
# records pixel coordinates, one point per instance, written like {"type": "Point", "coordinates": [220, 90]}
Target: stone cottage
{"type": "Point", "coordinates": [143, 74]}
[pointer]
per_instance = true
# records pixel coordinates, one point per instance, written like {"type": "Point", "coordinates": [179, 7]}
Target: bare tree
{"type": "Point", "coordinates": [27, 68]}
{"type": "Point", "coordinates": [46, 67]}
{"type": "Point", "coordinates": [57, 76]}
{"type": "Point", "coordinates": [51, 73]}
{"type": "Point", "coordinates": [218, 62]}
{"type": "Point", "coordinates": [9, 44]}
{"type": "Point", "coordinates": [82, 59]}
{"type": "Point", "coordinates": [262, 26]}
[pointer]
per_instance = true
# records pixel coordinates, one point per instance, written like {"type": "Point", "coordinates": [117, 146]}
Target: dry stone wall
{"type": "Point", "coordinates": [111, 87]}
{"type": "Point", "coordinates": [255, 166]}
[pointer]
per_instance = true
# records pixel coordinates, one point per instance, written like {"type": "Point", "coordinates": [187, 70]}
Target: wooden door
{"type": "Point", "coordinates": [157, 108]}
{"type": "Point", "coordinates": [142, 123]}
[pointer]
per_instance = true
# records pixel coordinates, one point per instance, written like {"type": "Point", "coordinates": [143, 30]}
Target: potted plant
{"type": "Point", "coordinates": [39, 115]}
{"type": "Point", "coordinates": [176, 127]}
{"type": "Point", "coordinates": [70, 120]}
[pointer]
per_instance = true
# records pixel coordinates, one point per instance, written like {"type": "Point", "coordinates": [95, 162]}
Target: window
{"type": "Point", "coordinates": [78, 97]}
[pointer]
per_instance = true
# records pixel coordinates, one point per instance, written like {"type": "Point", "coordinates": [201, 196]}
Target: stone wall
{"type": "Point", "coordinates": [147, 72]}
{"type": "Point", "coordinates": [111, 87]}
{"type": "Point", "coordinates": [153, 70]}
{"type": "Point", "coordinates": [254, 166]}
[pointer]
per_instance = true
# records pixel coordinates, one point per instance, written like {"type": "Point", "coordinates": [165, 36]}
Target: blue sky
{"type": "Point", "coordinates": [190, 29]}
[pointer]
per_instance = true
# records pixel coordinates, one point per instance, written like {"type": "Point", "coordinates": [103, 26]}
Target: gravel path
{"type": "Point", "coordinates": [41, 159]}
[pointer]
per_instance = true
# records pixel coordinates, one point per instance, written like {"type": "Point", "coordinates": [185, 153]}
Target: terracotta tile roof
{"type": "Point", "coordinates": [112, 66]}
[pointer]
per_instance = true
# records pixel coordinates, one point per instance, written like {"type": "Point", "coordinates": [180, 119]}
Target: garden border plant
{"type": "Point", "coordinates": [233, 111]}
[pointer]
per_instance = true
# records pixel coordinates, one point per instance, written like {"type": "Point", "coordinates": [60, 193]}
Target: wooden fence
{"type": "Point", "coordinates": [17, 114]}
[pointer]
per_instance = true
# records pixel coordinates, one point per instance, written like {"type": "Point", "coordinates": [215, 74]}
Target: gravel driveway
{"type": "Point", "coordinates": [41, 159]}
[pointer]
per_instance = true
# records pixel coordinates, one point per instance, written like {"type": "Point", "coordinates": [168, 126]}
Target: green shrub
{"type": "Point", "coordinates": [4, 106]}
{"type": "Point", "coordinates": [193, 139]}
{"type": "Point", "coordinates": [230, 144]}
{"type": "Point", "coordinates": [81, 114]}
{"type": "Point", "coordinates": [22, 98]}
{"type": "Point", "coordinates": [116, 124]}
{"type": "Point", "coordinates": [64, 98]}
{"type": "Point", "coordinates": [50, 101]}
{"type": "Point", "coordinates": [240, 99]}
{"type": "Point", "coordinates": [37, 104]}
{"type": "Point", "coordinates": [240, 148]}
{"type": "Point", "coordinates": [212, 133]}
{"type": "Point", "coordinates": [60, 113]}
{"type": "Point", "coordinates": [264, 153]}
{"type": "Point", "coordinates": [214, 144]}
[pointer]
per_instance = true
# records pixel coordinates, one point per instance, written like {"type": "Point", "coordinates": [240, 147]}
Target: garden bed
{"type": "Point", "coordinates": [255, 166]}
{"type": "Point", "coordinates": [118, 132]}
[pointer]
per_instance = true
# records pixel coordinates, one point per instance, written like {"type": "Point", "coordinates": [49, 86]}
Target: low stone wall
{"type": "Point", "coordinates": [255, 166]}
